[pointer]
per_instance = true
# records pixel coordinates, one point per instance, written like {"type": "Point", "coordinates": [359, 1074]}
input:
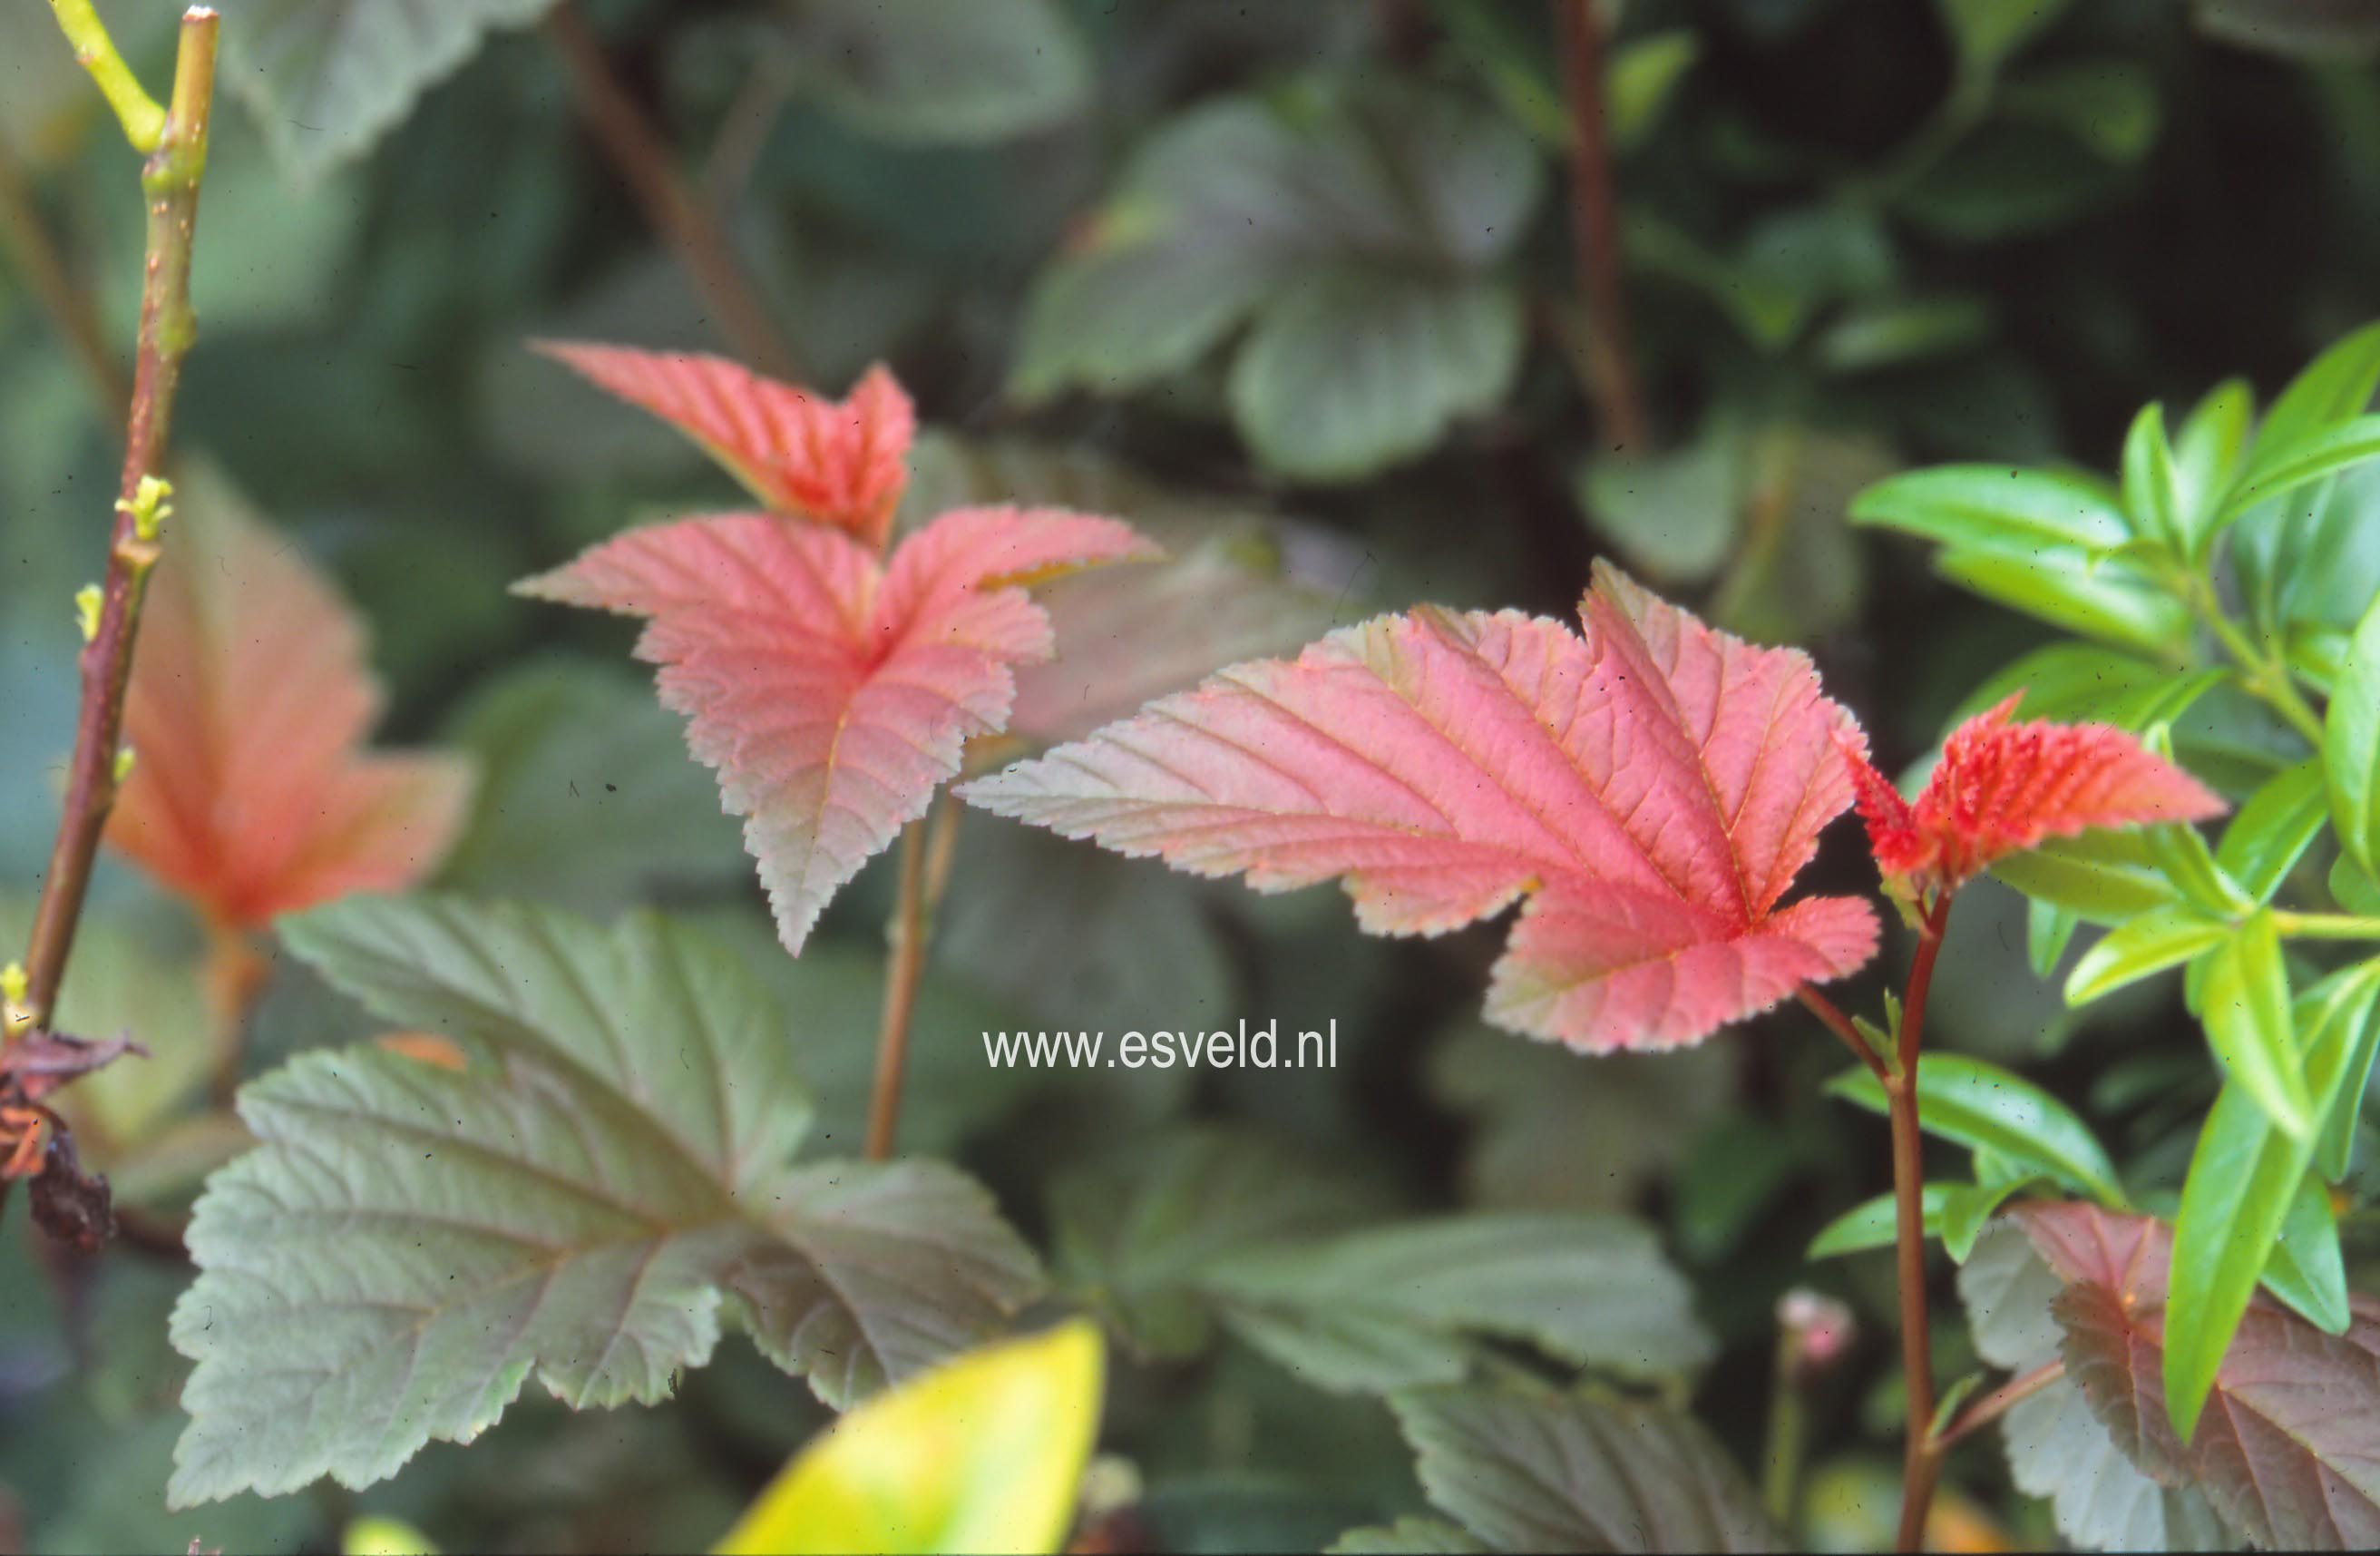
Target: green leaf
{"type": "Point", "coordinates": [587, 794]}
{"type": "Point", "coordinates": [2062, 588]}
{"type": "Point", "coordinates": [1983, 1106]}
{"type": "Point", "coordinates": [2278, 468]}
{"type": "Point", "coordinates": [2207, 453]}
{"type": "Point", "coordinates": [984, 1452]}
{"type": "Point", "coordinates": [1873, 1223]}
{"type": "Point", "coordinates": [2048, 930]}
{"type": "Point", "coordinates": [1997, 509]}
{"type": "Point", "coordinates": [2273, 830]}
{"type": "Point", "coordinates": [607, 1180]}
{"type": "Point", "coordinates": [1345, 373]}
{"type": "Point", "coordinates": [1675, 514]}
{"type": "Point", "coordinates": [327, 79]}
{"type": "Point", "coordinates": [2079, 683]}
{"type": "Point", "coordinates": [2246, 1008]}
{"type": "Point", "coordinates": [2307, 1269]}
{"type": "Point", "coordinates": [1578, 1472]}
{"type": "Point", "coordinates": [2180, 852]}
{"type": "Point", "coordinates": [924, 72]}
{"type": "Point", "coordinates": [1869, 335]}
{"type": "Point", "coordinates": [2159, 939]}
{"type": "Point", "coordinates": [1988, 31]}
{"type": "Point", "coordinates": [2351, 747]}
{"type": "Point", "coordinates": [2345, 1009]}
{"type": "Point", "coordinates": [2334, 386]}
{"type": "Point", "coordinates": [1371, 1311]}
{"type": "Point", "coordinates": [2351, 889]}
{"type": "Point", "coordinates": [1968, 1206]}
{"type": "Point", "coordinates": [2101, 877]}
{"type": "Point", "coordinates": [1408, 1537]}
{"type": "Point", "coordinates": [2110, 105]}
{"type": "Point", "coordinates": [1638, 82]}
{"type": "Point", "coordinates": [2151, 493]}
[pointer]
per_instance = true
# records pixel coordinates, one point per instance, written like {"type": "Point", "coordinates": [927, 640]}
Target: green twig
{"type": "Point", "coordinates": [2326, 926]}
{"type": "Point", "coordinates": [143, 120]}
{"type": "Point", "coordinates": [2262, 674]}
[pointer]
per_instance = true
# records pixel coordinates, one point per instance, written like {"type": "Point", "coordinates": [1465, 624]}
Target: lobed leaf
{"type": "Point", "coordinates": [246, 706]}
{"type": "Point", "coordinates": [1654, 790]}
{"type": "Point", "coordinates": [606, 1180]}
{"type": "Point", "coordinates": [833, 693]}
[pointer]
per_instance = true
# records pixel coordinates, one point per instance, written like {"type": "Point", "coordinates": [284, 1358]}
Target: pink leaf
{"type": "Point", "coordinates": [834, 692]}
{"type": "Point", "coordinates": [248, 701]}
{"type": "Point", "coordinates": [2002, 787]}
{"type": "Point", "coordinates": [1657, 786]}
{"type": "Point", "coordinates": [841, 464]}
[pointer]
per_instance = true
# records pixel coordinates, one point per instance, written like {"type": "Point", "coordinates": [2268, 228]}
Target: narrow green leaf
{"type": "Point", "coordinates": [2152, 494]}
{"type": "Point", "coordinates": [2306, 1270]}
{"type": "Point", "coordinates": [2207, 453]}
{"type": "Point", "coordinates": [2242, 1177]}
{"type": "Point", "coordinates": [2247, 1015]}
{"type": "Point", "coordinates": [2100, 877]}
{"type": "Point", "coordinates": [2351, 747]}
{"type": "Point", "coordinates": [1643, 73]}
{"type": "Point", "coordinates": [2335, 385]}
{"type": "Point", "coordinates": [2180, 852]}
{"type": "Point", "coordinates": [2277, 470]}
{"type": "Point", "coordinates": [2351, 889]}
{"type": "Point", "coordinates": [2048, 930]}
{"type": "Point", "coordinates": [1874, 1223]}
{"type": "Point", "coordinates": [2273, 830]}
{"type": "Point", "coordinates": [2000, 509]}
{"type": "Point", "coordinates": [1982, 1106]}
{"type": "Point", "coordinates": [1967, 1207]}
{"type": "Point", "coordinates": [2060, 586]}
{"type": "Point", "coordinates": [2148, 944]}
{"type": "Point", "coordinates": [2350, 1014]}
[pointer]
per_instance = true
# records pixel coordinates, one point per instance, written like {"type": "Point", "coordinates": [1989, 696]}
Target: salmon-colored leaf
{"type": "Point", "coordinates": [1656, 785]}
{"type": "Point", "coordinates": [2002, 787]}
{"type": "Point", "coordinates": [842, 463]}
{"type": "Point", "coordinates": [249, 699]}
{"type": "Point", "coordinates": [2288, 1449]}
{"type": "Point", "coordinates": [830, 690]}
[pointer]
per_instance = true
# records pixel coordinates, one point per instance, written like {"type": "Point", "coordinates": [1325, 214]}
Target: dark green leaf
{"type": "Point", "coordinates": [1872, 1223]}
{"type": "Point", "coordinates": [608, 1180]}
{"type": "Point", "coordinates": [1578, 1472]}
{"type": "Point", "coordinates": [919, 70]}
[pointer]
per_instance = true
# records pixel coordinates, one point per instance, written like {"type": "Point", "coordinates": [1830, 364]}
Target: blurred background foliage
{"type": "Point", "coordinates": [1294, 288]}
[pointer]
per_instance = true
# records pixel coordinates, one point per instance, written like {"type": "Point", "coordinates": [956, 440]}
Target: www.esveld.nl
{"type": "Point", "coordinates": [1259, 1047]}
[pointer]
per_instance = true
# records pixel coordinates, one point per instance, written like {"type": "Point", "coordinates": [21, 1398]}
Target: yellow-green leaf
{"type": "Point", "coordinates": [983, 1453]}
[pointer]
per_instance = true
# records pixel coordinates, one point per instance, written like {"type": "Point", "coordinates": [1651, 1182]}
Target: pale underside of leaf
{"type": "Point", "coordinates": [832, 695]}
{"type": "Point", "coordinates": [1658, 788]}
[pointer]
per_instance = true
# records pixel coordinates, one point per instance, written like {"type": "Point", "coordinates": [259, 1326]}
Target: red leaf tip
{"type": "Point", "coordinates": [841, 463]}
{"type": "Point", "coordinates": [2004, 785]}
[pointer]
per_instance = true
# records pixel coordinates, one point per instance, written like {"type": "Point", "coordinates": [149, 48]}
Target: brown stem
{"type": "Point", "coordinates": [671, 205]}
{"type": "Point", "coordinates": [170, 177]}
{"type": "Point", "coordinates": [1919, 1464]}
{"type": "Point", "coordinates": [35, 254]}
{"type": "Point", "coordinates": [1996, 1404]}
{"type": "Point", "coordinates": [1594, 230]}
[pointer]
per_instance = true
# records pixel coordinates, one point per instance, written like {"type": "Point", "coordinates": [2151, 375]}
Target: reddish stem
{"type": "Point", "coordinates": [1920, 1463]}
{"type": "Point", "coordinates": [171, 178]}
{"type": "Point", "coordinates": [1594, 230]}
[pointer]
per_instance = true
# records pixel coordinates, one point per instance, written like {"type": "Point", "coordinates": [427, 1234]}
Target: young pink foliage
{"type": "Point", "coordinates": [830, 690]}
{"type": "Point", "coordinates": [840, 464]}
{"type": "Point", "coordinates": [248, 701]}
{"type": "Point", "coordinates": [1654, 788]}
{"type": "Point", "coordinates": [2002, 787]}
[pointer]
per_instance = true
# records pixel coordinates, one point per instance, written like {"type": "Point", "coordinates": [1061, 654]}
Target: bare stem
{"type": "Point", "coordinates": [36, 256]}
{"type": "Point", "coordinates": [1919, 1464]}
{"type": "Point", "coordinates": [1594, 230]}
{"type": "Point", "coordinates": [671, 205]}
{"type": "Point", "coordinates": [1841, 1024]}
{"type": "Point", "coordinates": [171, 178]}
{"type": "Point", "coordinates": [926, 848]}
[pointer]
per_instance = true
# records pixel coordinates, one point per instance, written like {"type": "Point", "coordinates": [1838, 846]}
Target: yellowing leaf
{"type": "Point", "coordinates": [983, 1453]}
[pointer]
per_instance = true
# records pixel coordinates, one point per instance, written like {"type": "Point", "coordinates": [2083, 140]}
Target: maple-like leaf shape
{"type": "Point", "coordinates": [1654, 787]}
{"type": "Point", "coordinates": [2288, 1449]}
{"type": "Point", "coordinates": [2002, 787]}
{"type": "Point", "coordinates": [248, 703]}
{"type": "Point", "coordinates": [843, 464]}
{"type": "Point", "coordinates": [830, 690]}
